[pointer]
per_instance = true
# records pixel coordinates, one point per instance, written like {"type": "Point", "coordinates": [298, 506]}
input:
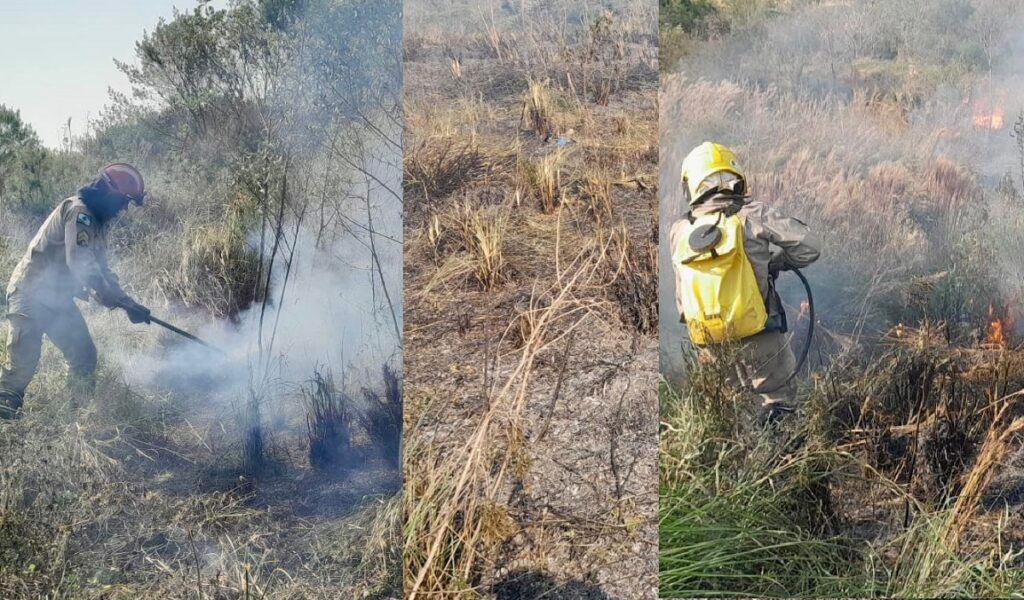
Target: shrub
{"type": "Point", "coordinates": [219, 270]}
{"type": "Point", "coordinates": [328, 423]}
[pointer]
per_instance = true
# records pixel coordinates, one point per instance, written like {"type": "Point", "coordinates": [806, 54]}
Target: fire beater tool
{"type": "Point", "coordinates": [180, 332]}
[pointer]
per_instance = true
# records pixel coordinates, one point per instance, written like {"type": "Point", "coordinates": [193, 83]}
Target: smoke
{"type": "Point", "coordinates": [328, 155]}
{"type": "Point", "coordinates": [329, 311]}
{"type": "Point", "coordinates": [842, 115]}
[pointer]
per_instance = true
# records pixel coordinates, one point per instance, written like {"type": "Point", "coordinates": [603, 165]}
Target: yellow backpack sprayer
{"type": "Point", "coordinates": [722, 301]}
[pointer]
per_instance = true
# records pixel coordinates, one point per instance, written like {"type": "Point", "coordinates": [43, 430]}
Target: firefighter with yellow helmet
{"type": "Point", "coordinates": [66, 260]}
{"type": "Point", "coordinates": [726, 254]}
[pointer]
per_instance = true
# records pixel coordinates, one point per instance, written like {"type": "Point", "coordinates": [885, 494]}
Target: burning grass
{"type": "Point", "coordinates": [879, 488]}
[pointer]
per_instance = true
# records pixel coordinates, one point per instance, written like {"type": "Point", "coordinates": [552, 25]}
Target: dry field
{"type": "Point", "coordinates": [530, 291]}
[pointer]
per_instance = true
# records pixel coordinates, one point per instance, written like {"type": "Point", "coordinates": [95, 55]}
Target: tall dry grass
{"type": "Point", "coordinates": [455, 517]}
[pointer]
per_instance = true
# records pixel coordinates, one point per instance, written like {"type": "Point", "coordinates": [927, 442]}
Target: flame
{"type": "Point", "coordinates": [995, 334]}
{"type": "Point", "coordinates": [990, 119]}
{"type": "Point", "coordinates": [997, 328]}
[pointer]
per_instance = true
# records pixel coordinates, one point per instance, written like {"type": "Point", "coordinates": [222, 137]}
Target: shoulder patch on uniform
{"type": "Point", "coordinates": [83, 238]}
{"type": "Point", "coordinates": [84, 219]}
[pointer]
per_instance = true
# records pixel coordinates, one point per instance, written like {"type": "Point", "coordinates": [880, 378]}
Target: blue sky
{"type": "Point", "coordinates": [56, 56]}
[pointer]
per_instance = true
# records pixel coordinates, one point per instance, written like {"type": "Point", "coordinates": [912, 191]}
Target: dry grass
{"type": "Point", "coordinates": [482, 234]}
{"type": "Point", "coordinates": [218, 269]}
{"type": "Point", "coordinates": [437, 169]}
{"type": "Point", "coordinates": [468, 240]}
{"type": "Point", "coordinates": [537, 109]}
{"type": "Point", "coordinates": [455, 519]}
{"type": "Point", "coordinates": [543, 180]}
{"type": "Point", "coordinates": [595, 191]}
{"type": "Point", "coordinates": [632, 273]}
{"type": "Point", "coordinates": [522, 362]}
{"type": "Point", "coordinates": [998, 443]}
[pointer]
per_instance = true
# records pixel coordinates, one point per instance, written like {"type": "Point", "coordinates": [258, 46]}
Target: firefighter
{"type": "Point", "coordinates": [66, 260]}
{"type": "Point", "coordinates": [716, 190]}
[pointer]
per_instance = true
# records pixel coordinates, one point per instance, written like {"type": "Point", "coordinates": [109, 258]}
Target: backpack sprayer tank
{"type": "Point", "coordinates": [723, 301]}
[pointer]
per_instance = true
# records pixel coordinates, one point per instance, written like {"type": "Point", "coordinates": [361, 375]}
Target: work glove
{"type": "Point", "coordinates": [777, 263]}
{"type": "Point", "coordinates": [137, 313]}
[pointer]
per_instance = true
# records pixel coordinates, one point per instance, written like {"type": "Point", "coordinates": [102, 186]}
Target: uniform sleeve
{"type": "Point", "coordinates": [798, 244]}
{"type": "Point", "coordinates": [673, 240]}
{"type": "Point", "coordinates": [111, 278]}
{"type": "Point", "coordinates": [86, 257]}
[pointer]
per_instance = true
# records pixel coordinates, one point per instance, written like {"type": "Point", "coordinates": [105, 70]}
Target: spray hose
{"type": "Point", "coordinates": [802, 358]}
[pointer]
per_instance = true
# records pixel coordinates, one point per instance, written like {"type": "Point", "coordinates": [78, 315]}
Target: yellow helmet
{"type": "Point", "coordinates": [709, 167]}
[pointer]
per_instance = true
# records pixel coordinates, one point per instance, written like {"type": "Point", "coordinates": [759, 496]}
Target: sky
{"type": "Point", "coordinates": [57, 56]}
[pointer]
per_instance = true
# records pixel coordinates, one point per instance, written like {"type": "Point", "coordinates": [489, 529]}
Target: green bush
{"type": "Point", "coordinates": [673, 44]}
{"type": "Point", "coordinates": [687, 15]}
{"type": "Point", "coordinates": [218, 269]}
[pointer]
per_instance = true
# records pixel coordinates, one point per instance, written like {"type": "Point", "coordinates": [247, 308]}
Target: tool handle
{"type": "Point", "coordinates": [177, 330]}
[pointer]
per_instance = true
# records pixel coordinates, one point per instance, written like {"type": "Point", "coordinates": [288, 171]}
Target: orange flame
{"type": "Point", "coordinates": [997, 327]}
{"type": "Point", "coordinates": [995, 334]}
{"type": "Point", "coordinates": [983, 118]}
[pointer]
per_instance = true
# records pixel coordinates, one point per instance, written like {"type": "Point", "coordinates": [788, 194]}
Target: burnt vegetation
{"type": "Point", "coordinates": [329, 425]}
